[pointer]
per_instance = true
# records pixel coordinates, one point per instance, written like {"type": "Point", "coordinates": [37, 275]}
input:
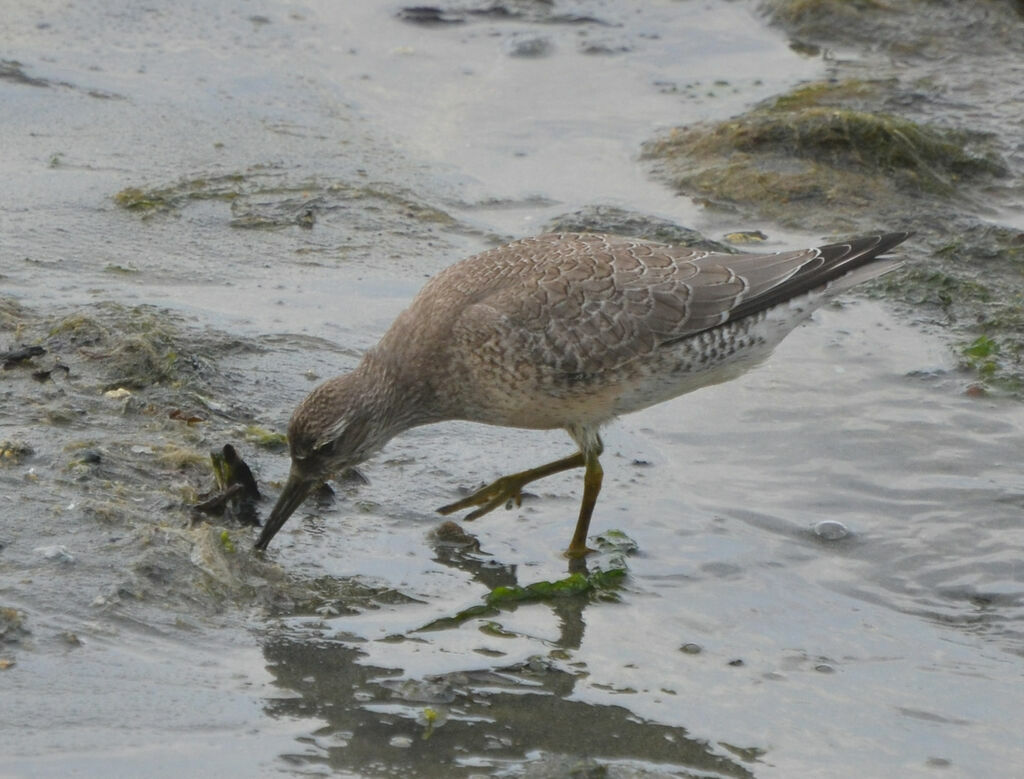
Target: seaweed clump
{"type": "Point", "coordinates": [263, 198]}
{"type": "Point", "coordinates": [928, 28]}
{"type": "Point", "coordinates": [140, 346]}
{"type": "Point", "coordinates": [596, 585]}
{"type": "Point", "coordinates": [807, 156]}
{"type": "Point", "coordinates": [823, 19]}
{"type": "Point", "coordinates": [175, 196]}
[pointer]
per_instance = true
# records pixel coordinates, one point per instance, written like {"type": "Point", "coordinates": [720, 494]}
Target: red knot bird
{"type": "Point", "coordinates": [563, 331]}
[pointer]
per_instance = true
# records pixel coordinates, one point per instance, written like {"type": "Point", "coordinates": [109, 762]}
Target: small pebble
{"type": "Point", "coordinates": [57, 552]}
{"type": "Point", "coordinates": [529, 47]}
{"type": "Point", "coordinates": [830, 530]}
{"type": "Point", "coordinates": [452, 533]}
{"type": "Point", "coordinates": [402, 742]}
{"type": "Point", "coordinates": [691, 649]}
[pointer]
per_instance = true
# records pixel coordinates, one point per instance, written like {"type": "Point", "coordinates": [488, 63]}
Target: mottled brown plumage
{"type": "Point", "coordinates": [563, 331]}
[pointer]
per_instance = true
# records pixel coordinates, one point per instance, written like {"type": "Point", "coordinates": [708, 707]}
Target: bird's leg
{"type": "Point", "coordinates": [591, 488]}
{"type": "Point", "coordinates": [509, 489]}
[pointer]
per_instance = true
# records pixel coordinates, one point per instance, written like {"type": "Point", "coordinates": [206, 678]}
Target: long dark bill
{"type": "Point", "coordinates": [296, 489]}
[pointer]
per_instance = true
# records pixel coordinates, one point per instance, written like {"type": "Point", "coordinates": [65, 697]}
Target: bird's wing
{"type": "Point", "coordinates": [589, 303]}
{"type": "Point", "coordinates": [580, 304]}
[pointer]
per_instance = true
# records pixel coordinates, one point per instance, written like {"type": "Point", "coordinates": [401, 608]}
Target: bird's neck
{"type": "Point", "coordinates": [391, 391]}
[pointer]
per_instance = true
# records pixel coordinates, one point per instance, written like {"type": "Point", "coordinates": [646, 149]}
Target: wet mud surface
{"type": "Point", "coordinates": [811, 571]}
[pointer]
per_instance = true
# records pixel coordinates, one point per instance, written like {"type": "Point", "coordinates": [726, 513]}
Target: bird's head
{"type": "Point", "coordinates": [332, 429]}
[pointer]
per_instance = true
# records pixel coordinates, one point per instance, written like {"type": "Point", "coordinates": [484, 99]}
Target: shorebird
{"type": "Point", "coordinates": [563, 331]}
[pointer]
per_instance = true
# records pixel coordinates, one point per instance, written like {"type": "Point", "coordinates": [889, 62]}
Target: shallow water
{"type": "Point", "coordinates": [742, 643]}
{"type": "Point", "coordinates": [894, 648]}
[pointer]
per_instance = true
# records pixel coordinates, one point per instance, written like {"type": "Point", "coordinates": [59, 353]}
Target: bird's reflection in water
{"type": "Point", "coordinates": [374, 720]}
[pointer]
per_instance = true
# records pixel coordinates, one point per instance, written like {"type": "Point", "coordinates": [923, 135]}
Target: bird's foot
{"type": "Point", "coordinates": [578, 552]}
{"type": "Point", "coordinates": [507, 490]}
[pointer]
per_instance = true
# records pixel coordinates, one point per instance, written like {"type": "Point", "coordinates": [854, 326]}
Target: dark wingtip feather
{"type": "Point", "coordinates": [834, 261]}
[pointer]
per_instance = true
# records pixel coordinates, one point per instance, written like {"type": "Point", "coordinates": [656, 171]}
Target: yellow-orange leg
{"type": "Point", "coordinates": [591, 488]}
{"type": "Point", "coordinates": [509, 489]}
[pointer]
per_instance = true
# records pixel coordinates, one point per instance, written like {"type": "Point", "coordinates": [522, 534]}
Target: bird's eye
{"type": "Point", "coordinates": [326, 448]}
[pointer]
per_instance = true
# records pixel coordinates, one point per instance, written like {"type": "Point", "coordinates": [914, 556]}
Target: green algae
{"type": "Point", "coordinates": [987, 317]}
{"type": "Point", "coordinates": [221, 469]}
{"type": "Point", "coordinates": [745, 237]}
{"type": "Point", "coordinates": [826, 93]}
{"type": "Point", "coordinates": [615, 546]}
{"type": "Point", "coordinates": [571, 586]}
{"type": "Point", "coordinates": [430, 718]}
{"type": "Point", "coordinates": [976, 277]}
{"type": "Point", "coordinates": [598, 585]}
{"type": "Point", "coordinates": [980, 356]}
{"type": "Point", "coordinates": [996, 361]}
{"type": "Point", "coordinates": [226, 542]}
{"type": "Point", "coordinates": [615, 542]}
{"type": "Point", "coordinates": [14, 452]}
{"type": "Point", "coordinates": [265, 439]}
{"type": "Point", "coordinates": [176, 196]}
{"type": "Point", "coordinates": [179, 458]}
{"type": "Point", "coordinates": [121, 270]}
{"type": "Point", "coordinates": [935, 286]}
{"type": "Point", "coordinates": [230, 469]}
